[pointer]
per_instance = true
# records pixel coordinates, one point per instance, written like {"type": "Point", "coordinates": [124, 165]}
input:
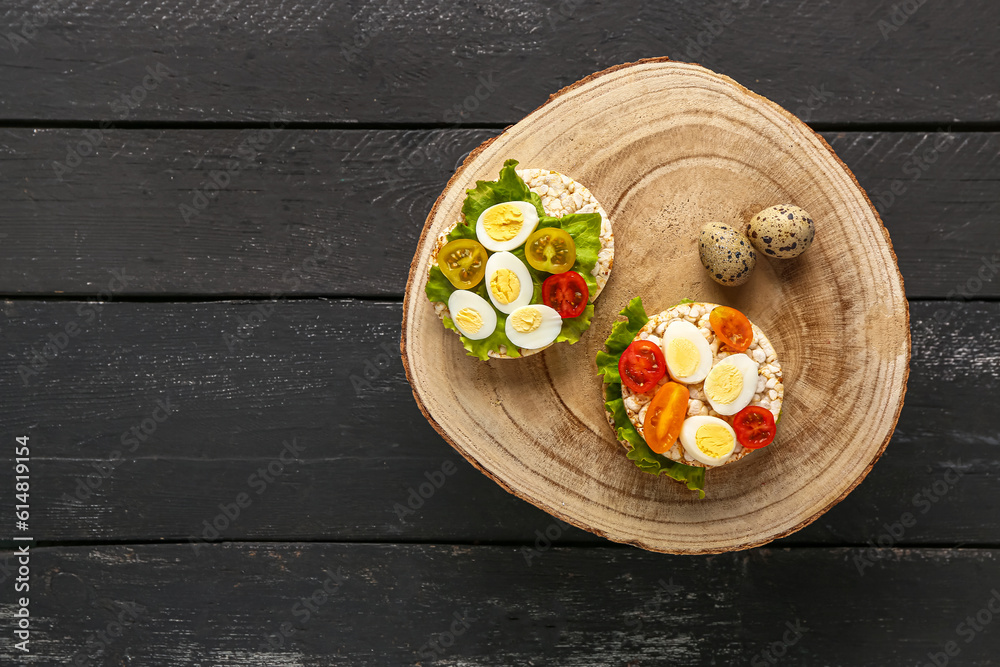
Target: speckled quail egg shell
{"type": "Point", "coordinates": [782, 231]}
{"type": "Point", "coordinates": [726, 254]}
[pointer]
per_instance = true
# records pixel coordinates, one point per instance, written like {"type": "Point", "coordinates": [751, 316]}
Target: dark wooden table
{"type": "Point", "coordinates": [208, 211]}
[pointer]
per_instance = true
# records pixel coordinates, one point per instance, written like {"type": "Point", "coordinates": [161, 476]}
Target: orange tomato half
{"type": "Point", "coordinates": [732, 327]}
{"type": "Point", "coordinates": [665, 416]}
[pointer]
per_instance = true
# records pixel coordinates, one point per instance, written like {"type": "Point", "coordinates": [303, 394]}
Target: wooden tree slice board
{"type": "Point", "coordinates": [666, 147]}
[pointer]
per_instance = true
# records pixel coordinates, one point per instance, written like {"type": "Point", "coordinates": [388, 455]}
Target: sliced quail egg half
{"type": "Point", "coordinates": [533, 327]}
{"type": "Point", "coordinates": [472, 315]}
{"type": "Point", "coordinates": [708, 440]}
{"type": "Point", "coordinates": [507, 225]}
{"type": "Point", "coordinates": [688, 355]}
{"type": "Point", "coordinates": [731, 384]}
{"type": "Point", "coordinates": [508, 282]}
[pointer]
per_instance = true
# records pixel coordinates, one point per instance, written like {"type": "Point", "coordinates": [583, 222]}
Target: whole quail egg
{"type": "Point", "coordinates": [782, 231]}
{"type": "Point", "coordinates": [726, 253]}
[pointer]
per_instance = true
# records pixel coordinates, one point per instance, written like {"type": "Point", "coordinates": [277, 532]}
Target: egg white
{"type": "Point", "coordinates": [690, 332]}
{"type": "Point", "coordinates": [544, 335]}
{"type": "Point", "coordinates": [748, 369]}
{"type": "Point", "coordinates": [530, 214]}
{"type": "Point", "coordinates": [461, 299]}
{"type": "Point", "coordinates": [688, 440]}
{"type": "Point", "coordinates": [506, 260]}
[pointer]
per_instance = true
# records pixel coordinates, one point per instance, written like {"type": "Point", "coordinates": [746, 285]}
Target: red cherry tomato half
{"type": "Point", "coordinates": [732, 327]}
{"type": "Point", "coordinates": [567, 293]}
{"type": "Point", "coordinates": [754, 427]}
{"type": "Point", "coordinates": [642, 366]}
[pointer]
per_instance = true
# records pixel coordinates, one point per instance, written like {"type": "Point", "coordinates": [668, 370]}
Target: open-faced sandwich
{"type": "Point", "coordinates": [522, 267]}
{"type": "Point", "coordinates": [695, 387]}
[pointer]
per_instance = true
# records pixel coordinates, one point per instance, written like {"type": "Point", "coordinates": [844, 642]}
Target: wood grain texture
{"type": "Point", "coordinates": [420, 61]}
{"type": "Point", "coordinates": [668, 147]}
{"type": "Point", "coordinates": [367, 448]}
{"type": "Point", "coordinates": [397, 605]}
{"type": "Point", "coordinates": [365, 195]}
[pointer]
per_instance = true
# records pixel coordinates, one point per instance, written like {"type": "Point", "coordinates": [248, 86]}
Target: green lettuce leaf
{"type": "Point", "coordinates": [622, 334]}
{"type": "Point", "coordinates": [481, 348]}
{"type": "Point", "coordinates": [645, 458]}
{"type": "Point", "coordinates": [438, 287]}
{"type": "Point", "coordinates": [621, 337]}
{"type": "Point", "coordinates": [585, 228]}
{"type": "Point", "coordinates": [509, 187]}
{"type": "Point", "coordinates": [574, 327]}
{"type": "Point", "coordinates": [537, 277]}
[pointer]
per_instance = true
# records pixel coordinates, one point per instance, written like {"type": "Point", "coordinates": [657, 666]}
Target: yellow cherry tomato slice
{"type": "Point", "coordinates": [732, 327]}
{"type": "Point", "coordinates": [665, 416]}
{"type": "Point", "coordinates": [463, 263]}
{"type": "Point", "coordinates": [550, 249]}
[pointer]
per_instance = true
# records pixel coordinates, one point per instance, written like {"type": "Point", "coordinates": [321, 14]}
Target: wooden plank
{"type": "Point", "coordinates": [484, 61]}
{"type": "Point", "coordinates": [326, 374]}
{"type": "Point", "coordinates": [339, 213]}
{"type": "Point", "coordinates": [321, 604]}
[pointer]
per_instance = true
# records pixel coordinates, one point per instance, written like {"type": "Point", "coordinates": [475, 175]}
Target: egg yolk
{"type": "Point", "coordinates": [526, 320]}
{"type": "Point", "coordinates": [682, 356]}
{"type": "Point", "coordinates": [724, 384]}
{"type": "Point", "coordinates": [505, 286]}
{"type": "Point", "coordinates": [503, 222]}
{"type": "Point", "coordinates": [469, 319]}
{"type": "Point", "coordinates": [714, 440]}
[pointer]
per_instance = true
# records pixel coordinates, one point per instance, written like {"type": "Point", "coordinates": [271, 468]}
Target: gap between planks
{"type": "Point", "coordinates": [62, 124]}
{"type": "Point", "coordinates": [564, 543]}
